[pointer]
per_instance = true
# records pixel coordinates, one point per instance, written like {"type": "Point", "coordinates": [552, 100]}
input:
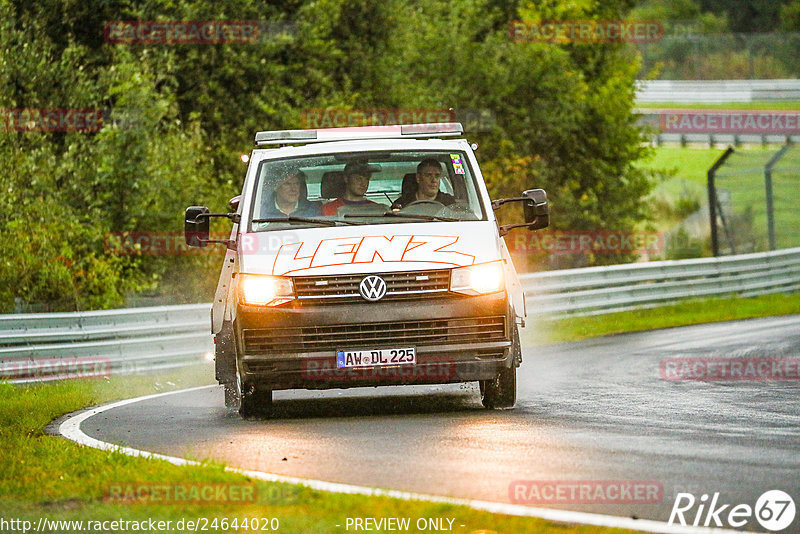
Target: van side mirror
{"type": "Point", "coordinates": [234, 203]}
{"type": "Point", "coordinates": [536, 209]}
{"type": "Point", "coordinates": [196, 225]}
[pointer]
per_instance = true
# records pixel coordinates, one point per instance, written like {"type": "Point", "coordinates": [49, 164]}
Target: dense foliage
{"type": "Point", "coordinates": [563, 121]}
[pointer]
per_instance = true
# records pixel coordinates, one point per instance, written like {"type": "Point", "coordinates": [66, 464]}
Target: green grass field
{"type": "Point", "coordinates": [683, 174]}
{"type": "Point", "coordinates": [687, 164]}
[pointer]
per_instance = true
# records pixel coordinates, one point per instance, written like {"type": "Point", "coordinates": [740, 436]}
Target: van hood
{"type": "Point", "coordinates": [368, 249]}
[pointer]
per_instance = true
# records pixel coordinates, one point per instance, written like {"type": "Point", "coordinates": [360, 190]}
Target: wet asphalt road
{"type": "Point", "coordinates": [593, 410]}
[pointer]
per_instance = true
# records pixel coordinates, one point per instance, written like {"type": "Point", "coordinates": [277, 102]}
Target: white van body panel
{"type": "Point", "coordinates": [369, 249]}
{"type": "Point", "coordinates": [513, 285]}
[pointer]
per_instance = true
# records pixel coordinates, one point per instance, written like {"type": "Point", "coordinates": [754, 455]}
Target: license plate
{"type": "Point", "coordinates": [369, 358]}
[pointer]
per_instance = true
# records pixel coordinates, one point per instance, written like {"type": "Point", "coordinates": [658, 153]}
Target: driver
{"type": "Point", "coordinates": [429, 174]}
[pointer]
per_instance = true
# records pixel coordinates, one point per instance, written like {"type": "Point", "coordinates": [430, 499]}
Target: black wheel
{"type": "Point", "coordinates": [501, 391]}
{"type": "Point", "coordinates": [256, 403]}
{"type": "Point", "coordinates": [248, 400]}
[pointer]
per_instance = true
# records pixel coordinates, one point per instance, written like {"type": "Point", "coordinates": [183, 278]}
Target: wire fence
{"type": "Point", "coordinates": [756, 200]}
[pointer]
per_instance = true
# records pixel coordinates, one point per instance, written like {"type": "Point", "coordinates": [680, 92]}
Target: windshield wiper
{"type": "Point", "coordinates": [291, 219]}
{"type": "Point", "coordinates": [405, 215]}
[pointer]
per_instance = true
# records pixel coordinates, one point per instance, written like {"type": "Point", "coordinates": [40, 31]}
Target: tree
{"type": "Point", "coordinates": [562, 120]}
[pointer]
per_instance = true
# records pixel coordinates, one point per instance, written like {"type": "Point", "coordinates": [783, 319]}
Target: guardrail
{"type": "Point", "coordinates": [659, 120]}
{"type": "Point", "coordinates": [716, 91]}
{"type": "Point", "coordinates": [49, 346]}
{"type": "Point", "coordinates": [712, 139]}
{"type": "Point", "coordinates": [597, 290]}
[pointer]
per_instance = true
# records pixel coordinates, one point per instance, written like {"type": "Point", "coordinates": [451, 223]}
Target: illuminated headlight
{"type": "Point", "coordinates": [264, 290]}
{"type": "Point", "coordinates": [478, 279]}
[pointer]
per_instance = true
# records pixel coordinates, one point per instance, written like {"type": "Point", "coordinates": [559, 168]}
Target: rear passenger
{"type": "Point", "coordinates": [356, 182]}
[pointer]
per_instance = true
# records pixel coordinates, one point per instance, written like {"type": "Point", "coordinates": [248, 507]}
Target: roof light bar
{"type": "Point", "coordinates": [434, 128]}
{"type": "Point", "coordinates": [276, 137]}
{"type": "Point", "coordinates": [395, 131]}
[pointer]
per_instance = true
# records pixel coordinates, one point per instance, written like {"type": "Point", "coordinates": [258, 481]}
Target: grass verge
{"type": "Point", "coordinates": [683, 313]}
{"type": "Point", "coordinates": [45, 476]}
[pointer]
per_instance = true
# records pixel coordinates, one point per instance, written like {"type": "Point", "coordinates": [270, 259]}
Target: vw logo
{"type": "Point", "coordinates": [372, 288]}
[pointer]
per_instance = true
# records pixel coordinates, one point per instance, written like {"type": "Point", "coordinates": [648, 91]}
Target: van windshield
{"type": "Point", "coordinates": [365, 188]}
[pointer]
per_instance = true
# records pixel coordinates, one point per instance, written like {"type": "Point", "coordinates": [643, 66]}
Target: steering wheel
{"type": "Point", "coordinates": [435, 203]}
{"type": "Point", "coordinates": [460, 207]}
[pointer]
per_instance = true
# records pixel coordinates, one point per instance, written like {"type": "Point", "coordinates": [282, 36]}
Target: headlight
{"type": "Point", "coordinates": [265, 290]}
{"type": "Point", "coordinates": [478, 279]}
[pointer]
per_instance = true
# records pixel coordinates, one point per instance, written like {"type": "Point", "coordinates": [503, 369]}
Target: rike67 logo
{"type": "Point", "coordinates": [774, 511]}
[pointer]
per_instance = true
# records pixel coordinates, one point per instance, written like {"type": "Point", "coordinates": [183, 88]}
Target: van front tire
{"type": "Point", "coordinates": [256, 403]}
{"type": "Point", "coordinates": [500, 393]}
{"type": "Point", "coordinates": [248, 400]}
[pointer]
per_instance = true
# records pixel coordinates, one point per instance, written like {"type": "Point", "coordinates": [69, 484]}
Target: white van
{"type": "Point", "coordinates": [364, 257]}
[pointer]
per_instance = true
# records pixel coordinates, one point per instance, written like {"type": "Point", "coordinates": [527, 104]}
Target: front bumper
{"type": "Point", "coordinates": [457, 339]}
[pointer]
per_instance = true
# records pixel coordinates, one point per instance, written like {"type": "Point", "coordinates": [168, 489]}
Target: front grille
{"type": "Point", "coordinates": [371, 335]}
{"type": "Point", "coordinates": [344, 288]}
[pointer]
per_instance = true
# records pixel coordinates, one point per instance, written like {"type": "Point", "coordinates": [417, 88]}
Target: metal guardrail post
{"type": "Point", "coordinates": [712, 199]}
{"type": "Point", "coordinates": [52, 346]}
{"type": "Point", "coordinates": [768, 186]}
{"type": "Point", "coordinates": [718, 91]}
